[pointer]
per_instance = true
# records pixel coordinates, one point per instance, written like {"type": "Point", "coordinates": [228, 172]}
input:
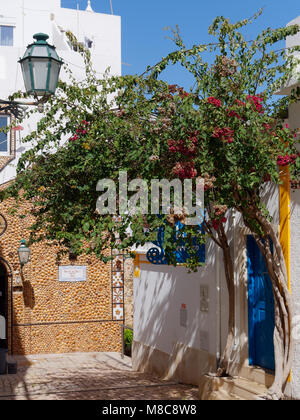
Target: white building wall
{"type": "Point", "coordinates": [294, 122]}
{"type": "Point", "coordinates": [295, 284]}
{"type": "Point", "coordinates": [157, 311]}
{"type": "Point", "coordinates": [32, 16]}
{"type": "Point", "coordinates": [161, 344]}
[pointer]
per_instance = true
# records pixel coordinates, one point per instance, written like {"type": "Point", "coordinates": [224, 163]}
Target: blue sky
{"type": "Point", "coordinates": [144, 40]}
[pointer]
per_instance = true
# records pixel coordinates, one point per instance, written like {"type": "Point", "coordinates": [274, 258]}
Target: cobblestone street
{"type": "Point", "coordinates": [86, 376]}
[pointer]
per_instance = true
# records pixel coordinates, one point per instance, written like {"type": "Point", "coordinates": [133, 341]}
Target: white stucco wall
{"type": "Point", "coordinates": [292, 41]}
{"type": "Point", "coordinates": [294, 122]}
{"type": "Point", "coordinates": [295, 284]}
{"type": "Point", "coordinates": [159, 293]}
{"type": "Point", "coordinates": [31, 16]}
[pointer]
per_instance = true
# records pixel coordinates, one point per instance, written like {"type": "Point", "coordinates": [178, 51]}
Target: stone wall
{"type": "Point", "coordinates": [50, 316]}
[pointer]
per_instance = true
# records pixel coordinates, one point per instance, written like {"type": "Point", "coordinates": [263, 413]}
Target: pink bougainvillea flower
{"type": "Point", "coordinates": [267, 178]}
{"type": "Point", "coordinates": [283, 160]}
{"type": "Point", "coordinates": [225, 134]}
{"type": "Point", "coordinates": [267, 127]}
{"type": "Point", "coordinates": [256, 101]}
{"type": "Point", "coordinates": [286, 160]}
{"type": "Point", "coordinates": [74, 138]}
{"type": "Point", "coordinates": [186, 148]}
{"type": "Point", "coordinates": [233, 114]}
{"type": "Point", "coordinates": [185, 170]}
{"type": "Point", "coordinates": [240, 103]}
{"type": "Point", "coordinates": [184, 94]}
{"type": "Point", "coordinates": [213, 101]}
{"type": "Point", "coordinates": [216, 223]}
{"type": "Point", "coordinates": [173, 149]}
{"type": "Point", "coordinates": [218, 132]}
{"type": "Point", "coordinates": [18, 128]}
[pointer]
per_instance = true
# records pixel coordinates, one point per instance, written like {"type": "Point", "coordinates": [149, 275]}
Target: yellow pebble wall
{"type": "Point", "coordinates": [51, 316]}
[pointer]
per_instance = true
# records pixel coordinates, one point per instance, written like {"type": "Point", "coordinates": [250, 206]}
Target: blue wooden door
{"type": "Point", "coordinates": [260, 309]}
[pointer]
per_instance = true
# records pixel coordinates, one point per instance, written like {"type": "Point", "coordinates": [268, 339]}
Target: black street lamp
{"type": "Point", "coordinates": [40, 67]}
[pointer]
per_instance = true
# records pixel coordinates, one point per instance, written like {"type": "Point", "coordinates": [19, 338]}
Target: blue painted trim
{"type": "Point", "coordinates": [157, 255]}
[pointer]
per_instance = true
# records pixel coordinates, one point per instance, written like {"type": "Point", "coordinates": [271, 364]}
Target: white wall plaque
{"type": "Point", "coordinates": [204, 298]}
{"type": "Point", "coordinates": [72, 273]}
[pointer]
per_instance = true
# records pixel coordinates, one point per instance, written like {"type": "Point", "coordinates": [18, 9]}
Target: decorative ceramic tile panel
{"type": "Point", "coordinates": [118, 312]}
{"type": "Point", "coordinates": [117, 281]}
{"type": "Point", "coordinates": [118, 263]}
{"type": "Point", "coordinates": [118, 295]}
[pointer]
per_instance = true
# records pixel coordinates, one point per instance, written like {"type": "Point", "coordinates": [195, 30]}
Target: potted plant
{"type": "Point", "coordinates": [128, 337]}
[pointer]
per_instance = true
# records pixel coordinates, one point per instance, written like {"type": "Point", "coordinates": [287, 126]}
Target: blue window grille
{"type": "Point", "coordinates": [3, 135]}
{"type": "Point", "coordinates": [6, 36]}
{"type": "Point", "coordinates": [157, 255]}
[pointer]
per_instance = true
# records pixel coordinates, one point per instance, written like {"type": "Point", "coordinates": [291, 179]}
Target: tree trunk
{"type": "Point", "coordinates": [224, 367]}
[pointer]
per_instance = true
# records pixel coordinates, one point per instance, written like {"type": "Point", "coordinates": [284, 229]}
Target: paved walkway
{"type": "Point", "coordinates": [86, 376]}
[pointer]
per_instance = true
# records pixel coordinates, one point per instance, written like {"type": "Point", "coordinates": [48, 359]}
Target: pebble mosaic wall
{"type": "Point", "coordinates": [50, 316]}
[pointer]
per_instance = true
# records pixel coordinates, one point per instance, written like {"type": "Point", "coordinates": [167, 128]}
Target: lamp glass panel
{"type": "Point", "coordinates": [40, 51]}
{"type": "Point", "coordinates": [53, 53]}
{"type": "Point", "coordinates": [27, 53]}
{"type": "Point", "coordinates": [54, 74]}
{"type": "Point", "coordinates": [40, 73]}
{"type": "Point", "coordinates": [26, 75]}
{"type": "Point", "coordinates": [24, 254]}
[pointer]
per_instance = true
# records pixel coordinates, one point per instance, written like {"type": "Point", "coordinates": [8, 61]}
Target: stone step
{"type": "Point", "coordinates": [244, 388]}
{"type": "Point", "coordinates": [223, 396]}
{"type": "Point", "coordinates": [230, 388]}
{"type": "Point", "coordinates": [258, 375]}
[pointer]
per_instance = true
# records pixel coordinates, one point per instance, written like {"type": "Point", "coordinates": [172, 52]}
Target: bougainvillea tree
{"type": "Point", "coordinates": [244, 144]}
{"type": "Point", "coordinates": [226, 129]}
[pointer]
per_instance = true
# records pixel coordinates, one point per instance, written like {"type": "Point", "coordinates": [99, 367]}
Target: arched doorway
{"type": "Point", "coordinates": [3, 304]}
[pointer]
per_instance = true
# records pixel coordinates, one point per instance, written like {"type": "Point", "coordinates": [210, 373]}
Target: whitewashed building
{"type": "Point", "coordinates": [20, 20]}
